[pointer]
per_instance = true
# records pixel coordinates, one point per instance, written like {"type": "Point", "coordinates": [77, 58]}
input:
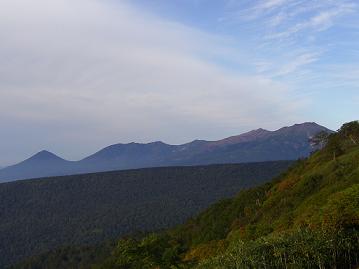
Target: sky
{"type": "Point", "coordinates": [79, 75]}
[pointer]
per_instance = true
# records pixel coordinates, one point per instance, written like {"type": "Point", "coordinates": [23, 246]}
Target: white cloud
{"type": "Point", "coordinates": [323, 19]}
{"type": "Point", "coordinates": [277, 19]}
{"type": "Point", "coordinates": [297, 63]}
{"type": "Point", "coordinates": [269, 4]}
{"type": "Point", "coordinates": [76, 75]}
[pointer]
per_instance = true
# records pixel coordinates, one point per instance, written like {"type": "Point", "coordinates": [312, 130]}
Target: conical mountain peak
{"type": "Point", "coordinates": [45, 155]}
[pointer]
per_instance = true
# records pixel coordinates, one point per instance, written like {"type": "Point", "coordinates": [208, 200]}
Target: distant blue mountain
{"type": "Point", "coordinates": [42, 164]}
{"type": "Point", "coordinates": [288, 143]}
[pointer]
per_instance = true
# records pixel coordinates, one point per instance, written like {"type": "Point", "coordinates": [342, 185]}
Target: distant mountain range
{"type": "Point", "coordinates": [287, 143]}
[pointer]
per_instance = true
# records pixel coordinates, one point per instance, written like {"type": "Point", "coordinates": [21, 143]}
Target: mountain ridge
{"type": "Point", "coordinates": [286, 143]}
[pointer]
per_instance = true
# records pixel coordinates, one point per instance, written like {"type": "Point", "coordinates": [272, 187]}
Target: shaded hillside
{"type": "Point", "coordinates": [38, 215]}
{"type": "Point", "coordinates": [288, 143]}
{"type": "Point", "coordinates": [307, 218]}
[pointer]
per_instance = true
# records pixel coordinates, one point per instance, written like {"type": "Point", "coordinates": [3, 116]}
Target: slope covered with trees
{"type": "Point", "coordinates": [306, 218]}
{"type": "Point", "coordinates": [39, 215]}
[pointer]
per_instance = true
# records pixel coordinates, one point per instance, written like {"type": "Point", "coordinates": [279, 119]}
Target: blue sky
{"type": "Point", "coordinates": [78, 75]}
{"type": "Point", "coordinates": [311, 46]}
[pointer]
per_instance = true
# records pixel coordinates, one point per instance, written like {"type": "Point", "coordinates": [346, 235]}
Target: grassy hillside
{"type": "Point", "coordinates": [40, 215]}
{"type": "Point", "coordinates": [307, 218]}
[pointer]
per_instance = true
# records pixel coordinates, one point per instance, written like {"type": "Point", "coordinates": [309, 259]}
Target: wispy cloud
{"type": "Point", "coordinates": [290, 35]}
{"type": "Point", "coordinates": [267, 5]}
{"type": "Point", "coordinates": [297, 63]}
{"type": "Point", "coordinates": [320, 21]}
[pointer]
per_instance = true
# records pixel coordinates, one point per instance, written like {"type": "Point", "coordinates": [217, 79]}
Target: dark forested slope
{"type": "Point", "coordinates": [39, 215]}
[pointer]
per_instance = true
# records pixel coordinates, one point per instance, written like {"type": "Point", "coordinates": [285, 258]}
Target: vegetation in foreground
{"type": "Point", "coordinates": [307, 218]}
